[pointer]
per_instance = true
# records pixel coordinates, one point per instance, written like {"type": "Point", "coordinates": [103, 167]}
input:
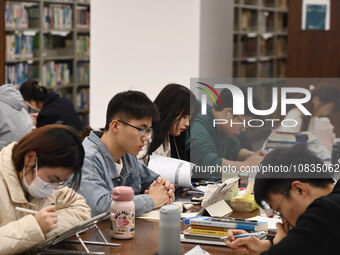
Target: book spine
{"type": "Point", "coordinates": [209, 228]}
{"type": "Point", "coordinates": [213, 224]}
{"type": "Point", "coordinates": [208, 232]}
{"type": "Point", "coordinates": [223, 224]}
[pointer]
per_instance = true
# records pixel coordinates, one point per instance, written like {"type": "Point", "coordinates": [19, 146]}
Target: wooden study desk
{"type": "Point", "coordinates": [145, 240]}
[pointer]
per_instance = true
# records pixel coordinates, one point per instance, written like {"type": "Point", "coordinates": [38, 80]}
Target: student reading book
{"type": "Point", "coordinates": [110, 157]}
{"type": "Point", "coordinates": [325, 100]}
{"type": "Point", "coordinates": [308, 204]}
{"type": "Point", "coordinates": [52, 108]}
{"type": "Point", "coordinates": [170, 136]}
{"type": "Point", "coordinates": [34, 175]}
{"type": "Point", "coordinates": [218, 145]}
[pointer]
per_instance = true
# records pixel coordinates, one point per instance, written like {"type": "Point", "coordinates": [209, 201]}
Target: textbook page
{"type": "Point", "coordinates": [176, 171]}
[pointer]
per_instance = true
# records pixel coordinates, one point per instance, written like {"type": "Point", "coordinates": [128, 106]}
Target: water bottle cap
{"type": "Point", "coordinates": [122, 193]}
{"type": "Point", "coordinates": [170, 212]}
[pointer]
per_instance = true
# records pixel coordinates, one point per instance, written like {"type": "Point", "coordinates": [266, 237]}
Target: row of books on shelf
{"type": "Point", "coordinates": [250, 22]}
{"type": "Point", "coordinates": [249, 46]}
{"type": "Point", "coordinates": [281, 46]}
{"type": "Point", "coordinates": [282, 4]}
{"type": "Point", "coordinates": [83, 46]}
{"type": "Point", "coordinates": [57, 16]}
{"type": "Point", "coordinates": [18, 47]}
{"type": "Point", "coordinates": [266, 69]}
{"type": "Point", "coordinates": [17, 74]}
{"type": "Point", "coordinates": [281, 68]}
{"type": "Point", "coordinates": [266, 46]}
{"type": "Point", "coordinates": [16, 15]}
{"type": "Point", "coordinates": [266, 22]}
{"type": "Point", "coordinates": [56, 74]}
{"type": "Point", "coordinates": [83, 72]}
{"type": "Point", "coordinates": [83, 99]}
{"type": "Point", "coordinates": [83, 17]}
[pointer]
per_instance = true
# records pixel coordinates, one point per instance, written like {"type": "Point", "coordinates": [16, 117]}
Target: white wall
{"type": "Point", "coordinates": [144, 45]}
{"type": "Point", "coordinates": [140, 45]}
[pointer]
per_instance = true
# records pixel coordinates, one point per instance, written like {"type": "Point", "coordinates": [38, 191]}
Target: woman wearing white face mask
{"type": "Point", "coordinates": [34, 174]}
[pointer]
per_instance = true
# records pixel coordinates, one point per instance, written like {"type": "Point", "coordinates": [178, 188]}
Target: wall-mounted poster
{"type": "Point", "coordinates": [316, 15]}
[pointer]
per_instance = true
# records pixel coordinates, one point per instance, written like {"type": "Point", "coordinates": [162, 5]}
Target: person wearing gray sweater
{"type": "Point", "coordinates": [15, 121]}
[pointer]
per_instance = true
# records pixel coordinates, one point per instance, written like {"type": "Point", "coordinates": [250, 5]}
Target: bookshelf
{"type": "Point", "coordinates": [260, 38]}
{"type": "Point", "coordinates": [49, 40]}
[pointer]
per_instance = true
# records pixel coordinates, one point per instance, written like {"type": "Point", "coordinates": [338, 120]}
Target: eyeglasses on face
{"type": "Point", "coordinates": [142, 131]}
{"type": "Point", "coordinates": [54, 184]}
{"type": "Point", "coordinates": [277, 205]}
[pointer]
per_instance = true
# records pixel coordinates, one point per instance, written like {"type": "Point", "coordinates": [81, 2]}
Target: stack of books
{"type": "Point", "coordinates": [209, 230]}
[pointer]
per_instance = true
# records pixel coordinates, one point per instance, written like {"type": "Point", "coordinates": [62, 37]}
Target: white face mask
{"type": "Point", "coordinates": [38, 188]}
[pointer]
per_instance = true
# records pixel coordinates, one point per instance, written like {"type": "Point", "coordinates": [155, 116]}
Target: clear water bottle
{"type": "Point", "coordinates": [169, 230]}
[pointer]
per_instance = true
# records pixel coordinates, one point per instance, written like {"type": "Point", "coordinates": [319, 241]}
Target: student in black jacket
{"type": "Point", "coordinates": [52, 108]}
{"type": "Point", "coordinates": [308, 202]}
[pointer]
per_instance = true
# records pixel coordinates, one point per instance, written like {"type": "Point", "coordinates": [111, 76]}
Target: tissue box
{"type": "Point", "coordinates": [242, 203]}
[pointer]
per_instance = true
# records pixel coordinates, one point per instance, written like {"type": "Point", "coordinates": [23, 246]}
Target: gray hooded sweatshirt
{"type": "Point", "coordinates": [15, 122]}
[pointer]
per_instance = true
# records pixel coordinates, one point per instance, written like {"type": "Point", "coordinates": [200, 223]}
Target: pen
{"type": "Point", "coordinates": [29, 211]}
{"type": "Point", "coordinates": [235, 220]}
{"type": "Point", "coordinates": [26, 210]}
{"type": "Point", "coordinates": [246, 235]}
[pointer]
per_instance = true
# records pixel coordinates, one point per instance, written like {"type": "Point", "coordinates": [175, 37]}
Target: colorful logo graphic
{"type": "Point", "coordinates": [209, 93]}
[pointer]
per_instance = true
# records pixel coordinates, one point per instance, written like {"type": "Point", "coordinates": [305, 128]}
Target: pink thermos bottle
{"type": "Point", "coordinates": [122, 220]}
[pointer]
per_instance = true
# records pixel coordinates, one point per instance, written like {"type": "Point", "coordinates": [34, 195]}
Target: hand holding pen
{"type": "Point", "coordinates": [246, 243]}
{"type": "Point", "coordinates": [46, 217]}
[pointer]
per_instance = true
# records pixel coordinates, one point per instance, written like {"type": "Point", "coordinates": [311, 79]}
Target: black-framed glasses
{"type": "Point", "coordinates": [142, 131]}
{"type": "Point", "coordinates": [54, 184]}
{"type": "Point", "coordinates": [277, 205]}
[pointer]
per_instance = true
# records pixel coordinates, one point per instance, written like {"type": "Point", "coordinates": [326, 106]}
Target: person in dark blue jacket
{"type": "Point", "coordinates": [52, 108]}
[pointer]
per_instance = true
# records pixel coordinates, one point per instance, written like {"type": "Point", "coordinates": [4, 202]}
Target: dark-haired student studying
{"type": "Point", "coordinates": [110, 157]}
{"type": "Point", "coordinates": [309, 207]}
{"type": "Point", "coordinates": [52, 108]}
{"type": "Point", "coordinates": [34, 175]}
{"type": "Point", "coordinates": [218, 145]}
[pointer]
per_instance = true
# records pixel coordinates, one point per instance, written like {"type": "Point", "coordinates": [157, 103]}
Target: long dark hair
{"type": "Point", "coordinates": [173, 101]}
{"type": "Point", "coordinates": [326, 94]}
{"type": "Point", "coordinates": [32, 90]}
{"type": "Point", "coordinates": [56, 146]}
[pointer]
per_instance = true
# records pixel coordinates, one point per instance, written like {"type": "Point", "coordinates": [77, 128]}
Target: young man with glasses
{"type": "Point", "coordinates": [218, 145]}
{"type": "Point", "coordinates": [110, 157]}
{"type": "Point", "coordinates": [308, 202]}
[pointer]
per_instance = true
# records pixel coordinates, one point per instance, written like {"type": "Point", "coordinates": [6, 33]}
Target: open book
{"type": "Point", "coordinates": [176, 171]}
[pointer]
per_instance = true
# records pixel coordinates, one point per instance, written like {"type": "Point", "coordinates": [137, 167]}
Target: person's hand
{"type": "Point", "coordinates": [47, 219]}
{"type": "Point", "coordinates": [282, 231]}
{"type": "Point", "coordinates": [34, 119]}
{"type": "Point", "coordinates": [167, 185]}
{"type": "Point", "coordinates": [262, 153]}
{"type": "Point", "coordinates": [246, 245]}
{"type": "Point", "coordinates": [254, 160]}
{"type": "Point", "coordinates": [159, 194]}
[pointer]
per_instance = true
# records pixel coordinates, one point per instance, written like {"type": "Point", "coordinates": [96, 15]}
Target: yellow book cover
{"type": "Point", "coordinates": [207, 232]}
